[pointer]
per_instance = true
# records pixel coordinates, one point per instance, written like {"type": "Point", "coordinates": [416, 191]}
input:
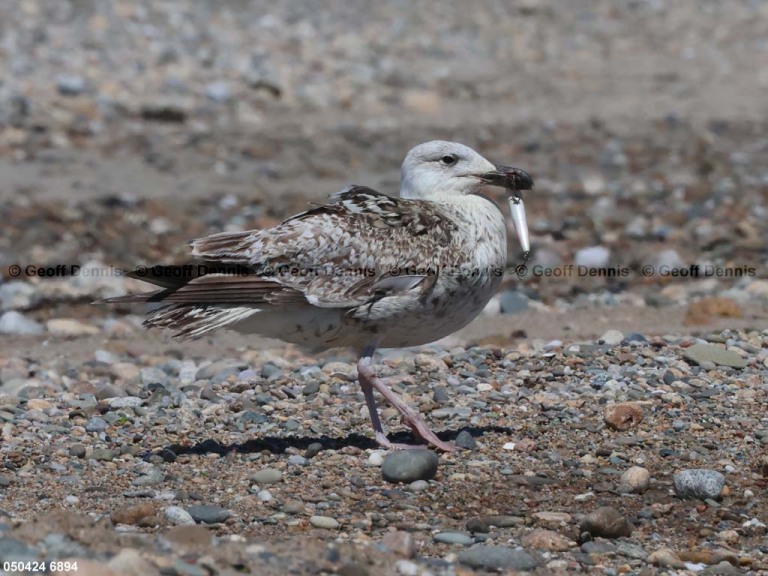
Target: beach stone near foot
{"type": "Point", "coordinates": [699, 483]}
{"type": "Point", "coordinates": [207, 514]}
{"type": "Point", "coordinates": [325, 522]}
{"type": "Point", "coordinates": [178, 516]}
{"type": "Point", "coordinates": [409, 465]}
{"type": "Point", "coordinates": [700, 353]}
{"type": "Point", "coordinates": [267, 476]}
{"type": "Point", "coordinates": [606, 522]}
{"type": "Point", "coordinates": [466, 440]}
{"type": "Point", "coordinates": [637, 479]}
{"type": "Point", "coordinates": [498, 558]}
{"type": "Point", "coordinates": [623, 415]}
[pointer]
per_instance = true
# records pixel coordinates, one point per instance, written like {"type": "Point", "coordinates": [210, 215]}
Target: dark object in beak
{"type": "Point", "coordinates": [508, 177]}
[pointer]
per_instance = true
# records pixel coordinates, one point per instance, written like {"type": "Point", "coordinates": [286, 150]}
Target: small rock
{"type": "Point", "coordinates": [498, 558]}
{"type": "Point", "coordinates": [109, 391]}
{"type": "Point", "coordinates": [96, 424]}
{"type": "Point", "coordinates": [70, 327]}
{"type": "Point", "coordinates": [17, 324]}
{"type": "Point", "coordinates": [606, 522]}
{"type": "Point", "coordinates": [454, 538]}
{"type": "Point", "coordinates": [637, 478]}
{"type": "Point", "coordinates": [325, 522]}
{"type": "Point", "coordinates": [465, 440]}
{"type": "Point", "coordinates": [70, 84]}
{"type": "Point", "coordinates": [313, 450]}
{"type": "Point", "coordinates": [623, 415]}
{"type": "Point", "coordinates": [665, 558]}
{"type": "Point", "coordinates": [177, 516]}
{"type": "Point", "coordinates": [699, 483]}
{"type": "Point", "coordinates": [132, 514]}
{"type": "Point", "coordinates": [125, 402]}
{"type": "Point", "coordinates": [548, 517]}
{"type": "Point", "coordinates": [267, 476]}
{"type": "Point", "coordinates": [376, 458]}
{"type": "Point", "coordinates": [593, 257]}
{"type": "Point", "coordinates": [484, 524]}
{"type": "Point", "coordinates": [409, 465]}
{"type": "Point", "coordinates": [546, 540]}
{"type": "Point", "coordinates": [400, 542]}
{"type": "Point", "coordinates": [17, 295]}
{"type": "Point", "coordinates": [102, 454]}
{"type": "Point", "coordinates": [699, 353]}
{"type": "Point", "coordinates": [612, 337]}
{"type": "Point", "coordinates": [218, 91]}
{"type": "Point", "coordinates": [206, 514]}
{"type": "Point", "coordinates": [77, 450]}
{"type": "Point", "coordinates": [512, 302]}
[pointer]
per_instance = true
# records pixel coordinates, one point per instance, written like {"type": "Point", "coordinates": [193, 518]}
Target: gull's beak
{"type": "Point", "coordinates": [508, 177]}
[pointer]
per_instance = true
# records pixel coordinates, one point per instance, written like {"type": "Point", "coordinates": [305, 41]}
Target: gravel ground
{"type": "Point", "coordinates": [611, 423]}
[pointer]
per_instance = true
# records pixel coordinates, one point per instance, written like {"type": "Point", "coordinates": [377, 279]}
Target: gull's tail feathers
{"type": "Point", "coordinates": [191, 322]}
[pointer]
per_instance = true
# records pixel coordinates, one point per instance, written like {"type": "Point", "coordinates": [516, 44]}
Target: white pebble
{"type": "Point", "coordinates": [376, 458]}
{"type": "Point", "coordinates": [407, 568]}
{"type": "Point", "coordinates": [264, 495]}
{"type": "Point", "coordinates": [509, 446]}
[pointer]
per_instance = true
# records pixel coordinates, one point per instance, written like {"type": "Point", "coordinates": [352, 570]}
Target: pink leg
{"type": "Point", "coordinates": [369, 381]}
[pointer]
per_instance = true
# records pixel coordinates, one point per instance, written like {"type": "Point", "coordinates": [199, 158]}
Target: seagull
{"type": "Point", "coordinates": [364, 270]}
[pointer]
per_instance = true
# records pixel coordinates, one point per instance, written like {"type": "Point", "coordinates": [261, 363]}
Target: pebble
{"type": "Point", "coordinates": [512, 302]}
{"type": "Point", "coordinates": [325, 522]}
{"type": "Point", "coordinates": [96, 424]}
{"type": "Point", "coordinates": [16, 324]}
{"type": "Point", "coordinates": [267, 476]}
{"type": "Point", "coordinates": [700, 353]}
{"type": "Point", "coordinates": [485, 524]}
{"type": "Point", "coordinates": [701, 484]}
{"type": "Point", "coordinates": [606, 522]}
{"type": "Point", "coordinates": [207, 514]}
{"type": "Point", "coordinates": [612, 337]}
{"type": "Point", "coordinates": [125, 402]}
{"type": "Point", "coordinates": [133, 514]}
{"type": "Point", "coordinates": [498, 558]}
{"type": "Point", "coordinates": [178, 516]}
{"type": "Point", "coordinates": [622, 416]}
{"type": "Point", "coordinates": [465, 440]}
{"type": "Point", "coordinates": [665, 558]}
{"type": "Point", "coordinates": [637, 479]}
{"type": "Point", "coordinates": [376, 458]}
{"type": "Point", "coordinates": [409, 465]}
{"type": "Point", "coordinates": [593, 257]}
{"type": "Point", "coordinates": [542, 539]}
{"type": "Point", "coordinates": [70, 327]}
{"type": "Point", "coordinates": [454, 538]}
{"type": "Point", "coordinates": [70, 85]}
{"type": "Point", "coordinates": [102, 454]}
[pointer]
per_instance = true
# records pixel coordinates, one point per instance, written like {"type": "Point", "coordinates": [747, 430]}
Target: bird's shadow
{"type": "Point", "coordinates": [279, 445]}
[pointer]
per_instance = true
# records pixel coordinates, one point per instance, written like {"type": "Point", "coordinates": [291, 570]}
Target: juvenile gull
{"type": "Point", "coordinates": [365, 270]}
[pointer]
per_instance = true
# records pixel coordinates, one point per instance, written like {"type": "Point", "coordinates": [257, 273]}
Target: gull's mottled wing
{"type": "Point", "coordinates": [359, 247]}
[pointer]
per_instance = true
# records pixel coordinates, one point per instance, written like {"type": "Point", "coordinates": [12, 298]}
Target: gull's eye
{"type": "Point", "coordinates": [448, 160]}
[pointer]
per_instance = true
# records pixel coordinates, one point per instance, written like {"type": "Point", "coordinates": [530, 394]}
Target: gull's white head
{"type": "Point", "coordinates": [440, 168]}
